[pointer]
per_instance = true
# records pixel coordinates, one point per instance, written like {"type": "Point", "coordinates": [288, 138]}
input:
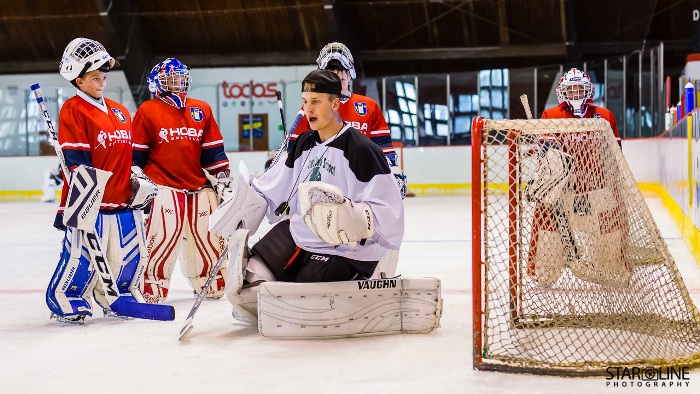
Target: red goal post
{"type": "Point", "coordinates": [570, 274]}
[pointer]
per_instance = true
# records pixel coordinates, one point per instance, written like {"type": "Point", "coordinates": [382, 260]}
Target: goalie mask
{"type": "Point", "coordinates": [338, 52]}
{"type": "Point", "coordinates": [170, 80]}
{"type": "Point", "coordinates": [83, 55]}
{"type": "Point", "coordinates": [576, 90]}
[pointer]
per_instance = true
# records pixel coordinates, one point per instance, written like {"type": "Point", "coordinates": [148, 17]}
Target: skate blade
{"type": "Point", "coordinates": [78, 320]}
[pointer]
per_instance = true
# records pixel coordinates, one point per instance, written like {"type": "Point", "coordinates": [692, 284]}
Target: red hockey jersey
{"type": "Point", "coordinates": [173, 145]}
{"type": "Point", "coordinates": [363, 114]}
{"type": "Point", "coordinates": [561, 111]}
{"type": "Point", "coordinates": [100, 137]}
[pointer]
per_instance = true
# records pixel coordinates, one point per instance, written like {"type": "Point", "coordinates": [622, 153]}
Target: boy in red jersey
{"type": "Point", "coordinates": [95, 131]}
{"type": "Point", "coordinates": [176, 139]}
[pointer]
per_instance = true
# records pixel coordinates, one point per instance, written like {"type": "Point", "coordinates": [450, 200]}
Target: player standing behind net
{"type": "Point", "coordinates": [95, 131]}
{"type": "Point", "coordinates": [361, 112]}
{"type": "Point", "coordinates": [336, 230]}
{"type": "Point", "coordinates": [176, 139]}
{"type": "Point", "coordinates": [593, 223]}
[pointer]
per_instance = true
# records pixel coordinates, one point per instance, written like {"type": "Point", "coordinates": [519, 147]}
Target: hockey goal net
{"type": "Point", "coordinates": [570, 272]}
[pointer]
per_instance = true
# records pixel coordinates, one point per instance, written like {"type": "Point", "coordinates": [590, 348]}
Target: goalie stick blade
{"type": "Point", "coordinates": [186, 329]}
{"type": "Point", "coordinates": [142, 310]}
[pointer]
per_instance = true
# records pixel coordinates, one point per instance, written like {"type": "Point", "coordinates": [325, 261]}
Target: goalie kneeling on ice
{"type": "Point", "coordinates": [349, 308]}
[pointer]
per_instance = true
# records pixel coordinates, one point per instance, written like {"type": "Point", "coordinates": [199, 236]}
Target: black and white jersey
{"type": "Point", "coordinates": [357, 166]}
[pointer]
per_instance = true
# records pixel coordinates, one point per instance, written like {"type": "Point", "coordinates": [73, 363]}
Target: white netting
{"type": "Point", "coordinates": [576, 277]}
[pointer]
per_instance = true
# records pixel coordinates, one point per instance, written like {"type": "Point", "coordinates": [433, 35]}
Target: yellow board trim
{"type": "Point", "coordinates": [689, 232]}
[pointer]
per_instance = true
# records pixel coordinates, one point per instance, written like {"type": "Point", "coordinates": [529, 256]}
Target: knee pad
{"type": "Point", "coordinates": [72, 282]}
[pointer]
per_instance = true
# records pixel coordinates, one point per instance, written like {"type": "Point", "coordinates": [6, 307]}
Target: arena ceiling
{"type": "Point", "coordinates": [390, 37]}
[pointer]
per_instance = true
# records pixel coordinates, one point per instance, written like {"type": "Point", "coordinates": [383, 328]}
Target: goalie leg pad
{"type": "Point", "coordinates": [163, 237]}
{"type": "Point", "coordinates": [238, 257]}
{"type": "Point", "coordinates": [245, 305]}
{"type": "Point", "coordinates": [548, 260]}
{"type": "Point", "coordinates": [602, 260]}
{"type": "Point", "coordinates": [350, 308]}
{"type": "Point", "coordinates": [202, 248]}
{"type": "Point", "coordinates": [123, 242]}
{"type": "Point", "coordinates": [68, 293]}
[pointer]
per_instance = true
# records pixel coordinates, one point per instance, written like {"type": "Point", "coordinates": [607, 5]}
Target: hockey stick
{"type": "Point", "coordinates": [118, 304]}
{"type": "Point", "coordinates": [202, 293]}
{"type": "Point", "coordinates": [287, 132]}
{"type": "Point", "coordinates": [561, 217]}
{"type": "Point", "coordinates": [526, 105]}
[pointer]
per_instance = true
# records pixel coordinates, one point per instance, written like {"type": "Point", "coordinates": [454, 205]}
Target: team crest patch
{"type": "Point", "coordinates": [119, 114]}
{"type": "Point", "coordinates": [361, 108]}
{"type": "Point", "coordinates": [197, 114]}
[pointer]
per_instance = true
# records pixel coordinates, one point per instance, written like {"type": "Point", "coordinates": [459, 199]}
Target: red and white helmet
{"type": "Point", "coordinates": [576, 90]}
{"type": "Point", "coordinates": [339, 52]}
{"type": "Point", "coordinates": [83, 55]}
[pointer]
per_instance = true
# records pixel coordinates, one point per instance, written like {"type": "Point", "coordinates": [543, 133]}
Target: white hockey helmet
{"type": "Point", "coordinates": [83, 55]}
{"type": "Point", "coordinates": [576, 90]}
{"type": "Point", "coordinates": [339, 52]}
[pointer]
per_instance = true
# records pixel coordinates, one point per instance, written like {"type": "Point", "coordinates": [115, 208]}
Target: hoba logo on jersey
{"type": "Point", "coordinates": [119, 114]}
{"type": "Point", "coordinates": [179, 133]}
{"type": "Point", "coordinates": [113, 138]}
{"type": "Point", "coordinates": [197, 114]}
{"type": "Point", "coordinates": [361, 108]}
{"type": "Point", "coordinates": [376, 284]}
{"type": "Point", "coordinates": [359, 126]}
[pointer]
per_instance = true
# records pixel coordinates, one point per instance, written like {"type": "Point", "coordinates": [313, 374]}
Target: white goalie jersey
{"type": "Point", "coordinates": [354, 164]}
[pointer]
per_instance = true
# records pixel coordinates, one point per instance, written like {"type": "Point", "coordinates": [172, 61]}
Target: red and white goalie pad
{"type": "Point", "coordinates": [179, 227]}
{"type": "Point", "coordinates": [332, 217]}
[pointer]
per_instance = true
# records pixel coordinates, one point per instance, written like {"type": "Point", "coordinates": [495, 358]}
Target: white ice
{"type": "Point", "coordinates": [222, 355]}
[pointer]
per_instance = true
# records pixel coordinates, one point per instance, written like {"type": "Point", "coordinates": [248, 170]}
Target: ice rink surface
{"type": "Point", "coordinates": [223, 355]}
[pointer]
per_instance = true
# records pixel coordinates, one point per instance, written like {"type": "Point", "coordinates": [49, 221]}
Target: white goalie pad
{"type": "Point", "coordinates": [85, 193]}
{"type": "Point", "coordinates": [332, 217]}
{"type": "Point", "coordinates": [244, 206]}
{"type": "Point", "coordinates": [349, 309]}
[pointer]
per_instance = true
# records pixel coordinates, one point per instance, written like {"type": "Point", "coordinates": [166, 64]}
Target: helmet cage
{"type": "Point", "coordinates": [169, 76]}
{"type": "Point", "coordinates": [83, 55]}
{"type": "Point", "coordinates": [576, 90]}
{"type": "Point", "coordinates": [337, 51]}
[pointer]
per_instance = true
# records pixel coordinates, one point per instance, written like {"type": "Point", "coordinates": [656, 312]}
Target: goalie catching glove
{"type": "Point", "coordinates": [143, 189]}
{"type": "Point", "coordinates": [332, 217]}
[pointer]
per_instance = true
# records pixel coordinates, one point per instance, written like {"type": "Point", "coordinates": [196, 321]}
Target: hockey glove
{"type": "Point", "coordinates": [223, 186]}
{"type": "Point", "coordinates": [143, 189]}
{"type": "Point", "coordinates": [332, 217]}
